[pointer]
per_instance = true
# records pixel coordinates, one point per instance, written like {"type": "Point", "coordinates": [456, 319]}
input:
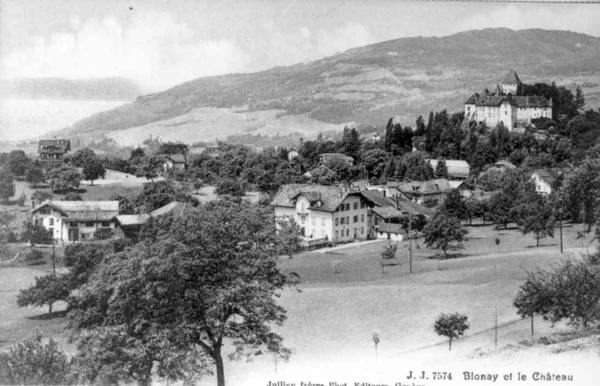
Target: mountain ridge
{"type": "Point", "coordinates": [364, 85]}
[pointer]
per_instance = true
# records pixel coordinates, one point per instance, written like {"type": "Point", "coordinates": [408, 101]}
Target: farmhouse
{"type": "Point", "coordinates": [53, 149]}
{"type": "Point", "coordinates": [324, 212]}
{"type": "Point", "coordinates": [506, 106]}
{"type": "Point", "coordinates": [429, 193]}
{"type": "Point", "coordinates": [173, 163]}
{"type": "Point", "coordinates": [71, 221]}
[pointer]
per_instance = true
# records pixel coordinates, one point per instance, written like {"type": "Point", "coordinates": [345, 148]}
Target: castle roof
{"type": "Point", "coordinates": [511, 78]}
{"type": "Point", "coordinates": [518, 101]}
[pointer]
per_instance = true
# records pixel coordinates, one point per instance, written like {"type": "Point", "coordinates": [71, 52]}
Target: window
{"type": "Point", "coordinates": [51, 221]}
{"type": "Point", "coordinates": [348, 206]}
{"type": "Point", "coordinates": [51, 230]}
{"type": "Point", "coordinates": [348, 232]}
{"type": "Point", "coordinates": [355, 219]}
{"type": "Point", "coordinates": [355, 206]}
{"type": "Point", "coordinates": [342, 221]}
{"type": "Point", "coordinates": [336, 234]}
{"type": "Point", "coordinates": [89, 223]}
{"type": "Point", "coordinates": [347, 219]}
{"type": "Point", "coordinates": [336, 222]}
{"type": "Point", "coordinates": [362, 218]}
{"type": "Point", "coordinates": [105, 224]}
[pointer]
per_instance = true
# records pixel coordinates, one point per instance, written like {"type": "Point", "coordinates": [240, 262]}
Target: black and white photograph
{"type": "Point", "coordinates": [300, 192]}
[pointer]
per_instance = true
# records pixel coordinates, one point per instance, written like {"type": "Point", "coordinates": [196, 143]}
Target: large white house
{"type": "Point", "coordinates": [71, 221]}
{"type": "Point", "coordinates": [506, 106]}
{"type": "Point", "coordinates": [324, 212]}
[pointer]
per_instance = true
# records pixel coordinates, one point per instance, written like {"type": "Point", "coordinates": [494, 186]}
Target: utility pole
{"type": "Point", "coordinates": [53, 258]}
{"type": "Point", "coordinates": [409, 244]}
{"type": "Point", "coordinates": [561, 236]}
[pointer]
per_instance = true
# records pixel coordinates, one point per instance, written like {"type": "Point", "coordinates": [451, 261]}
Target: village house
{"type": "Point", "coordinates": [173, 163]}
{"type": "Point", "coordinates": [427, 193]}
{"type": "Point", "coordinates": [388, 214]}
{"type": "Point", "coordinates": [544, 180]}
{"type": "Point", "coordinates": [324, 212]}
{"type": "Point", "coordinates": [71, 221]}
{"type": "Point", "coordinates": [53, 149]}
{"type": "Point", "coordinates": [506, 106]}
{"type": "Point", "coordinates": [457, 169]}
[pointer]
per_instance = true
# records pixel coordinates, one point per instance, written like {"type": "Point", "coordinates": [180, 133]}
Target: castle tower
{"type": "Point", "coordinates": [511, 83]}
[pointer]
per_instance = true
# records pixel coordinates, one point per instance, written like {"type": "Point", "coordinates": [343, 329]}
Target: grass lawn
{"type": "Point", "coordinates": [344, 298]}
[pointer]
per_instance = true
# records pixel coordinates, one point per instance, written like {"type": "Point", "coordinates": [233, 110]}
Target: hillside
{"type": "Point", "coordinates": [367, 85]}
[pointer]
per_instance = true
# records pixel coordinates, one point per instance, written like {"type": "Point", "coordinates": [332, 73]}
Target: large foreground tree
{"type": "Point", "coordinates": [205, 283]}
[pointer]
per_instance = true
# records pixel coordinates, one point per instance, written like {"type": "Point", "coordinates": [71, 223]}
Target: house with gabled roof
{"type": "Point", "coordinates": [53, 149]}
{"type": "Point", "coordinates": [71, 221]}
{"type": "Point", "coordinates": [544, 180]}
{"type": "Point", "coordinates": [329, 213]}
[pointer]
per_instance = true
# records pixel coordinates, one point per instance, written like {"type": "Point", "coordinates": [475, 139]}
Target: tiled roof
{"type": "Point", "coordinates": [391, 228]}
{"type": "Point", "coordinates": [387, 212]}
{"type": "Point", "coordinates": [386, 207]}
{"type": "Point", "coordinates": [176, 158]}
{"type": "Point", "coordinates": [86, 210]}
{"type": "Point", "coordinates": [518, 101]}
{"type": "Point", "coordinates": [547, 175]}
{"type": "Point", "coordinates": [139, 219]}
{"type": "Point", "coordinates": [377, 198]}
{"type": "Point", "coordinates": [422, 187]}
{"type": "Point", "coordinates": [511, 78]}
{"type": "Point", "coordinates": [54, 146]}
{"type": "Point", "coordinates": [321, 197]}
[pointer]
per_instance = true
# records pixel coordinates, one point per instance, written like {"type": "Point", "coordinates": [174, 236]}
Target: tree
{"type": "Point", "coordinates": [417, 167]}
{"type": "Point", "coordinates": [35, 233]}
{"type": "Point", "coordinates": [208, 280]}
{"type": "Point", "coordinates": [40, 196]}
{"type": "Point", "coordinates": [33, 362]}
{"type": "Point", "coordinates": [451, 326]}
{"type": "Point", "coordinates": [35, 174]}
{"type": "Point", "coordinates": [230, 187]}
{"type": "Point", "coordinates": [64, 178]}
{"type": "Point", "coordinates": [441, 170]}
{"type": "Point", "coordinates": [161, 193]}
{"type": "Point", "coordinates": [499, 209]}
{"type": "Point", "coordinates": [579, 99]}
{"type": "Point", "coordinates": [7, 185]}
{"type": "Point", "coordinates": [454, 205]}
{"type": "Point", "coordinates": [93, 169]}
{"type": "Point", "coordinates": [443, 230]}
{"type": "Point", "coordinates": [82, 156]}
{"type": "Point", "coordinates": [149, 167]}
{"type": "Point", "coordinates": [533, 297]}
{"type": "Point", "coordinates": [535, 216]}
{"type": "Point", "coordinates": [474, 208]}
{"type": "Point", "coordinates": [47, 290]}
{"type": "Point", "coordinates": [289, 236]}
{"type": "Point", "coordinates": [18, 162]}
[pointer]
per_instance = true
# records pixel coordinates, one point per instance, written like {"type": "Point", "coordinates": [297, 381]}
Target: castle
{"type": "Point", "coordinates": [506, 106]}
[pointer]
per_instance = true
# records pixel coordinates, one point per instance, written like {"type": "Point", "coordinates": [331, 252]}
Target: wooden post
{"type": "Point", "coordinates": [561, 236]}
{"type": "Point", "coordinates": [53, 258]}
{"type": "Point", "coordinates": [409, 245]}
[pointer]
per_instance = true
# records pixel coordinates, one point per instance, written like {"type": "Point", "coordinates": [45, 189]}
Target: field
{"type": "Point", "coordinates": [343, 298]}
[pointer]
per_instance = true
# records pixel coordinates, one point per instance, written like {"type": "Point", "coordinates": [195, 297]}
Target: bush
{"type": "Point", "coordinates": [33, 362]}
{"type": "Point", "coordinates": [7, 235]}
{"type": "Point", "coordinates": [35, 257]}
{"type": "Point", "coordinates": [103, 234]}
{"type": "Point", "coordinates": [231, 187]}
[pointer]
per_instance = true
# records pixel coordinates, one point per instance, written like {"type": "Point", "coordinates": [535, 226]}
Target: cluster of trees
{"type": "Point", "coordinates": [569, 291]}
{"type": "Point", "coordinates": [168, 306]}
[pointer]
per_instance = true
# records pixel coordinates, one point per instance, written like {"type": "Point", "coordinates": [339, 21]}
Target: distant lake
{"type": "Point", "coordinates": [31, 118]}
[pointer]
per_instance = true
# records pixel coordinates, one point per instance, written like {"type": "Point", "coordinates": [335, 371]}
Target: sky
{"type": "Point", "coordinates": [160, 43]}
